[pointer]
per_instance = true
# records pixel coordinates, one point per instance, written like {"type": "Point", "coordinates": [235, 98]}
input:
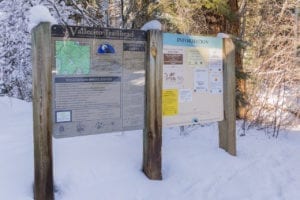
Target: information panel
{"type": "Point", "coordinates": [98, 80]}
{"type": "Point", "coordinates": [192, 79]}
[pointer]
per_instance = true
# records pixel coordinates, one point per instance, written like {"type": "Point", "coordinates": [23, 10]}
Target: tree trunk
{"type": "Point", "coordinates": [233, 27]}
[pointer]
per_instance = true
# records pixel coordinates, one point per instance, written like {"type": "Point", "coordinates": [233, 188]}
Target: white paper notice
{"type": "Point", "coordinates": [215, 65]}
{"type": "Point", "coordinates": [173, 76]}
{"type": "Point", "coordinates": [201, 80]}
{"type": "Point", "coordinates": [215, 62]}
{"type": "Point", "coordinates": [63, 116]}
{"type": "Point", "coordinates": [195, 57]}
{"type": "Point", "coordinates": [215, 54]}
{"type": "Point", "coordinates": [216, 83]}
{"type": "Point", "coordinates": [185, 95]}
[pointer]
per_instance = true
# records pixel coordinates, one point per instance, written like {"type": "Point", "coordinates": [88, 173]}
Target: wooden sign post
{"type": "Point", "coordinates": [227, 127]}
{"type": "Point", "coordinates": [153, 107]}
{"type": "Point", "coordinates": [42, 120]}
{"type": "Point", "coordinates": [152, 139]}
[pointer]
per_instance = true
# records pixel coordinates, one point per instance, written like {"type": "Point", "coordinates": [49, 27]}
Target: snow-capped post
{"type": "Point", "coordinates": [227, 127]}
{"type": "Point", "coordinates": [42, 119]}
{"type": "Point", "coordinates": [153, 107]}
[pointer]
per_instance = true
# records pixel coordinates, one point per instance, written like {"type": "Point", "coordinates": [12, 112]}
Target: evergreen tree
{"type": "Point", "coordinates": [15, 49]}
{"type": "Point", "coordinates": [15, 56]}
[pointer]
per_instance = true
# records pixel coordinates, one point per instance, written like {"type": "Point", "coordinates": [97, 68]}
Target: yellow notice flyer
{"type": "Point", "coordinates": [170, 102]}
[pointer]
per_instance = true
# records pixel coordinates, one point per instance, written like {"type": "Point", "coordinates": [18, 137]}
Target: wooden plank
{"type": "Point", "coordinates": [42, 119]}
{"type": "Point", "coordinates": [153, 107]}
{"type": "Point", "coordinates": [227, 127]}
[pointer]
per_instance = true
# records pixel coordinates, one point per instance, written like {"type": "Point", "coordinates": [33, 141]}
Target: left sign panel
{"type": "Point", "coordinates": [93, 80]}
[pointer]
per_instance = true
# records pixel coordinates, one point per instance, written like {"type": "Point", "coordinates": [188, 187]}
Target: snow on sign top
{"type": "Point", "coordinates": [153, 24]}
{"type": "Point", "coordinates": [39, 14]}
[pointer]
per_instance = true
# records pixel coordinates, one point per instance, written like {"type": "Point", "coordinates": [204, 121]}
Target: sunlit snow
{"type": "Point", "coordinates": [108, 166]}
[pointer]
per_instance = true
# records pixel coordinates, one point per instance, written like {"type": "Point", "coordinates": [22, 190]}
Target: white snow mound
{"type": "Point", "coordinates": [223, 35]}
{"type": "Point", "coordinates": [39, 14]}
{"type": "Point", "coordinates": [152, 25]}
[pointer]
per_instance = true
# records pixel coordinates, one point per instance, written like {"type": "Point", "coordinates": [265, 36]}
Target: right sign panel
{"type": "Point", "coordinates": [192, 79]}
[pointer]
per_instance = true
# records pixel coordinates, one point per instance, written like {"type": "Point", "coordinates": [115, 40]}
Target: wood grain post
{"type": "Point", "coordinates": [227, 127]}
{"type": "Point", "coordinates": [153, 107]}
{"type": "Point", "coordinates": [42, 119]}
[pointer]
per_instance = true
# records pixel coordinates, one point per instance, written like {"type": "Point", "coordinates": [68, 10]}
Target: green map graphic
{"type": "Point", "coordinates": [72, 58]}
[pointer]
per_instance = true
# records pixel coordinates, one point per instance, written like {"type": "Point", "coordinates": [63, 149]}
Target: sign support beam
{"type": "Point", "coordinates": [152, 141]}
{"type": "Point", "coordinates": [227, 127]}
{"type": "Point", "coordinates": [42, 117]}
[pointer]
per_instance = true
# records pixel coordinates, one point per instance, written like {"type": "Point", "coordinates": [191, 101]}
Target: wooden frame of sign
{"type": "Point", "coordinates": [42, 104]}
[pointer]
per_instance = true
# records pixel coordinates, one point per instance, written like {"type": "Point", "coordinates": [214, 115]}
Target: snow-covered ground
{"type": "Point", "coordinates": [108, 166]}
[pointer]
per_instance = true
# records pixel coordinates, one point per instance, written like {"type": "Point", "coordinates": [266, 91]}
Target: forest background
{"type": "Point", "coordinates": [266, 34]}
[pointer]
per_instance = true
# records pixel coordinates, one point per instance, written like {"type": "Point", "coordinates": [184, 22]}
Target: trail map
{"type": "Point", "coordinates": [72, 58]}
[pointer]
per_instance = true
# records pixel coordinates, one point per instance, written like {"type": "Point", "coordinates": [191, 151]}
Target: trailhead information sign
{"type": "Point", "coordinates": [192, 79]}
{"type": "Point", "coordinates": [98, 80]}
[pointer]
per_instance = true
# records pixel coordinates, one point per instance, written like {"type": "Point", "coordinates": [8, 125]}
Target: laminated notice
{"type": "Point", "coordinates": [170, 102]}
